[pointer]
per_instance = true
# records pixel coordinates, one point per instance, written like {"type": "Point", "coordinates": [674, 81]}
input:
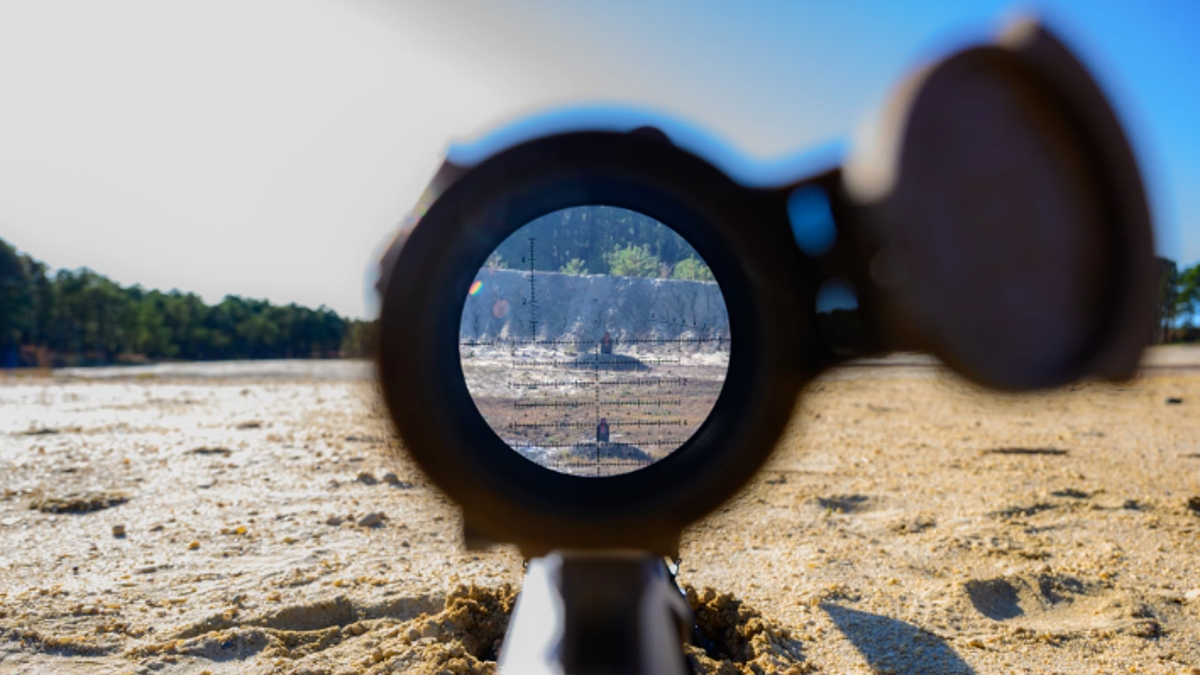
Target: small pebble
{"type": "Point", "coordinates": [371, 519]}
{"type": "Point", "coordinates": [1174, 400]}
{"type": "Point", "coordinates": [334, 521]}
{"type": "Point", "coordinates": [118, 530]}
{"type": "Point", "coordinates": [1146, 629]}
{"type": "Point", "coordinates": [366, 478]}
{"type": "Point", "coordinates": [391, 478]}
{"type": "Point", "coordinates": [193, 545]}
{"type": "Point", "coordinates": [1192, 595]}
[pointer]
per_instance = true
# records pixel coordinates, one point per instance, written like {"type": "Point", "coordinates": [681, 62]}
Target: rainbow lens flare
{"type": "Point", "coordinates": [475, 288]}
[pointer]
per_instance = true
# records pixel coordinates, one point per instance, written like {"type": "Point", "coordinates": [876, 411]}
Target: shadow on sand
{"type": "Point", "coordinates": [620, 362]}
{"type": "Point", "coordinates": [889, 645]}
{"type": "Point", "coordinates": [610, 451]}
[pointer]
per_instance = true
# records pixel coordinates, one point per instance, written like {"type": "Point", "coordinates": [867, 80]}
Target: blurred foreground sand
{"type": "Point", "coordinates": [907, 524]}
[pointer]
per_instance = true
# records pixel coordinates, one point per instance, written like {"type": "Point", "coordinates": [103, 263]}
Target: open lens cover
{"type": "Point", "coordinates": [1009, 227]}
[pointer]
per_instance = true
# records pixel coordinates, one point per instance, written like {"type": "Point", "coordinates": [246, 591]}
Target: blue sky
{"type": "Point", "coordinates": [268, 148]}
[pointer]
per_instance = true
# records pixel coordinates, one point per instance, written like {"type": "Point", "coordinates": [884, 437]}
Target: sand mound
{"type": "Point", "coordinates": [78, 502]}
{"type": "Point", "coordinates": [733, 638]}
{"type": "Point", "coordinates": [335, 637]}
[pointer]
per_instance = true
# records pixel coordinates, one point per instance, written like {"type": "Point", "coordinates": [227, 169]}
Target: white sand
{"type": "Point", "coordinates": [907, 524]}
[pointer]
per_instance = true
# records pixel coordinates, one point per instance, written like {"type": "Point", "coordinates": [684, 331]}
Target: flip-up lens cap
{"type": "Point", "coordinates": [1009, 227]}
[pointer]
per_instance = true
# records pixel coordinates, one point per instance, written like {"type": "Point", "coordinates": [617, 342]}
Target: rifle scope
{"type": "Point", "coordinates": [595, 325]}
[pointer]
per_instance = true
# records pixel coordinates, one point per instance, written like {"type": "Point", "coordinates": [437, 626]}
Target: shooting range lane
{"type": "Point", "coordinates": [908, 523]}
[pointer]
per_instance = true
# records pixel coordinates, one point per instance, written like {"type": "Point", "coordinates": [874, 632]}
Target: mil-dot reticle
{"type": "Point", "coordinates": [594, 341]}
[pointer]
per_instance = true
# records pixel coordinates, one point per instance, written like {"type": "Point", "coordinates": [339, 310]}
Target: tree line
{"type": "Point", "coordinates": [601, 240]}
{"type": "Point", "coordinates": [1174, 321]}
{"type": "Point", "coordinates": [1178, 302]}
{"type": "Point", "coordinates": [79, 317]}
{"type": "Point", "coordinates": [620, 242]}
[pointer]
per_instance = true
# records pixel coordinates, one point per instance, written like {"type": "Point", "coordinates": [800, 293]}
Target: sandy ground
{"type": "Point", "coordinates": [547, 403]}
{"type": "Point", "coordinates": [907, 524]}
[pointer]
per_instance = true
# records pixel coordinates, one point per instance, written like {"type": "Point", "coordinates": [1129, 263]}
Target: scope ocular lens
{"type": "Point", "coordinates": [594, 341]}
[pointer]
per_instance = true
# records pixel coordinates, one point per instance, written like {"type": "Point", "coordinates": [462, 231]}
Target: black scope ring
{"type": "Point", "coordinates": [510, 498]}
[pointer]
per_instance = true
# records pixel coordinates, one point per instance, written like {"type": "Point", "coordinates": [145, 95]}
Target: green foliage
{"type": "Point", "coordinates": [495, 261]}
{"type": "Point", "coordinates": [359, 339]}
{"type": "Point", "coordinates": [80, 317]}
{"type": "Point", "coordinates": [1187, 296]}
{"type": "Point", "coordinates": [1178, 302]}
{"type": "Point", "coordinates": [633, 261]}
{"type": "Point", "coordinates": [692, 269]}
{"type": "Point", "coordinates": [590, 234]}
{"type": "Point", "coordinates": [574, 266]}
{"type": "Point", "coordinates": [1168, 298]}
{"type": "Point", "coordinates": [16, 298]}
